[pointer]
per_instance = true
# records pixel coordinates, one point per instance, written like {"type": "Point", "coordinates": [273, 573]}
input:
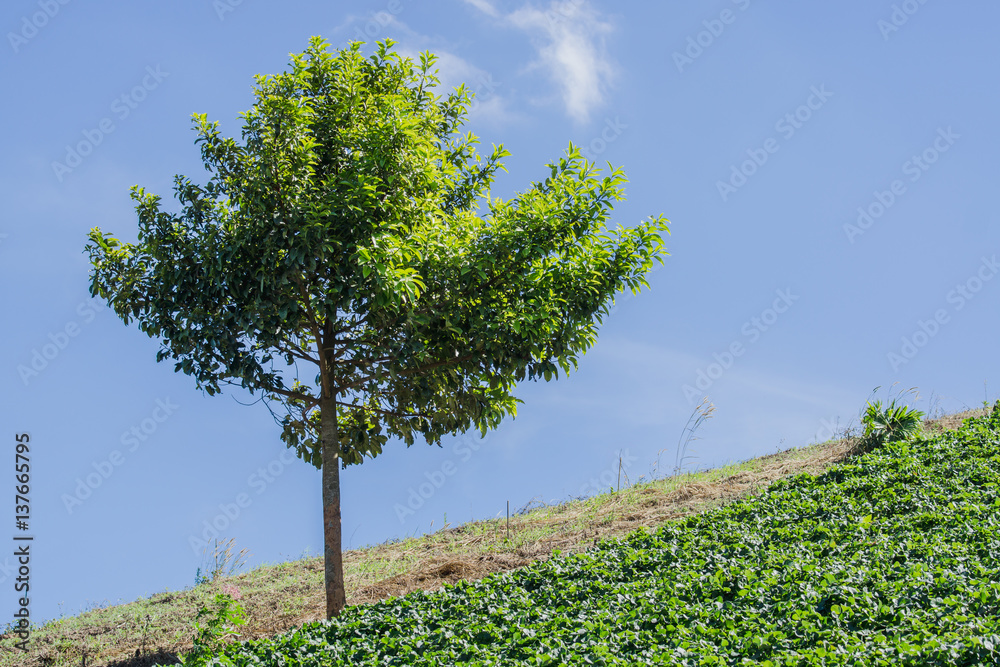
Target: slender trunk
{"type": "Point", "coordinates": [334, 559]}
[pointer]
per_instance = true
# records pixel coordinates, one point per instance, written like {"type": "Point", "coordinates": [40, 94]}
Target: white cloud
{"type": "Point", "coordinates": [453, 70]}
{"type": "Point", "coordinates": [483, 6]}
{"type": "Point", "coordinates": [493, 110]}
{"type": "Point", "coordinates": [565, 36]}
{"type": "Point", "coordinates": [487, 103]}
{"type": "Point", "coordinates": [370, 28]}
{"type": "Point", "coordinates": [569, 39]}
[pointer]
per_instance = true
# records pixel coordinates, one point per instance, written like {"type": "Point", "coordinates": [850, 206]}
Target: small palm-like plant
{"type": "Point", "coordinates": [892, 422]}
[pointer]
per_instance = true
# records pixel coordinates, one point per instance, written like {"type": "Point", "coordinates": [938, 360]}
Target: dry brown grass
{"type": "Point", "coordinates": [279, 597]}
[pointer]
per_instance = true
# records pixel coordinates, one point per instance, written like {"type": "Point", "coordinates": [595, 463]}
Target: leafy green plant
{"type": "Point", "coordinates": [218, 628]}
{"type": "Point", "coordinates": [893, 422]}
{"type": "Point", "coordinates": [887, 560]}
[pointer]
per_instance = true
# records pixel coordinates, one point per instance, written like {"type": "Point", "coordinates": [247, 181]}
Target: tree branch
{"type": "Point", "coordinates": [297, 352]}
{"type": "Point", "coordinates": [381, 411]}
{"type": "Point", "coordinates": [409, 371]}
{"type": "Point", "coordinates": [308, 399]}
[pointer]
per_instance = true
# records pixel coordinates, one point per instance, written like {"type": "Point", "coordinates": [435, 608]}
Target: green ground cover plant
{"type": "Point", "coordinates": [219, 626]}
{"type": "Point", "coordinates": [892, 558]}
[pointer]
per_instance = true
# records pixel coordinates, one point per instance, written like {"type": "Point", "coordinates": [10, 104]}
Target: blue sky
{"type": "Point", "coordinates": [829, 170]}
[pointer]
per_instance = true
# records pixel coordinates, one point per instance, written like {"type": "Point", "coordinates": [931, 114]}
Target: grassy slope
{"type": "Point", "coordinates": [281, 596]}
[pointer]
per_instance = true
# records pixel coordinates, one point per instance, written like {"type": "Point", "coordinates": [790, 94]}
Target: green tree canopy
{"type": "Point", "coordinates": [345, 259]}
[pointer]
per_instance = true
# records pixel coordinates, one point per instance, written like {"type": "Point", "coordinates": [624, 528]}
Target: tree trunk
{"type": "Point", "coordinates": [336, 598]}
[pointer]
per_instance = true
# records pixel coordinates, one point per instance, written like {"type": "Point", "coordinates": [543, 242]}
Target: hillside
{"type": "Point", "coordinates": [730, 569]}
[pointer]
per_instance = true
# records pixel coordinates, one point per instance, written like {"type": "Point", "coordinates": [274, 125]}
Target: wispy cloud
{"type": "Point", "coordinates": [370, 28]}
{"type": "Point", "coordinates": [452, 70]}
{"type": "Point", "coordinates": [487, 102]}
{"type": "Point", "coordinates": [569, 38]}
{"type": "Point", "coordinates": [483, 6]}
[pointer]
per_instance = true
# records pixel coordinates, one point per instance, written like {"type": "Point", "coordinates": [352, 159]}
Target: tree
{"type": "Point", "coordinates": [352, 229]}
